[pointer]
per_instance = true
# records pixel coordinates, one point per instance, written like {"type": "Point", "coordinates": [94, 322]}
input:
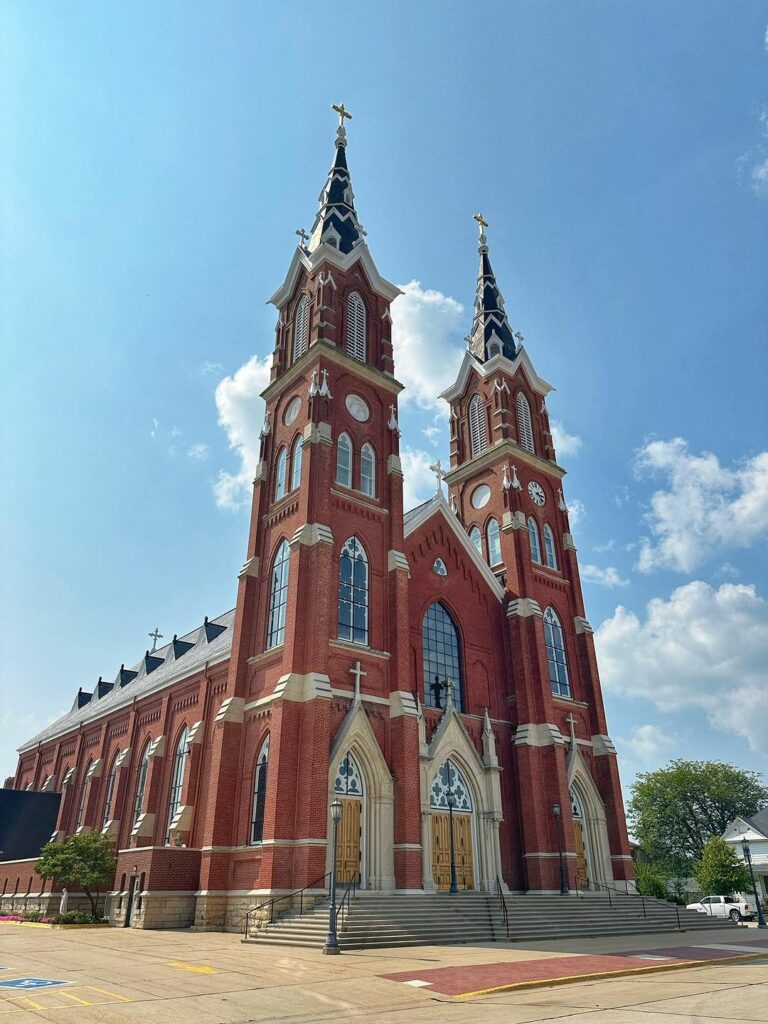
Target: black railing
{"type": "Point", "coordinates": [644, 899]}
{"type": "Point", "coordinates": [324, 879]}
{"type": "Point", "coordinates": [345, 904]}
{"type": "Point", "coordinates": [504, 911]}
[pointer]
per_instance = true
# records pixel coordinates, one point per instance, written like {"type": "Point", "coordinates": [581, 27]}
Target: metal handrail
{"type": "Point", "coordinates": [640, 896]}
{"type": "Point", "coordinates": [345, 904]}
{"type": "Point", "coordinates": [289, 895]}
{"type": "Point", "coordinates": [504, 911]}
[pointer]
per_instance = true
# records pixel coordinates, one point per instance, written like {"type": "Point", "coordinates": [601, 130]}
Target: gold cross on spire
{"type": "Point", "coordinates": [481, 221]}
{"type": "Point", "coordinates": [342, 112]}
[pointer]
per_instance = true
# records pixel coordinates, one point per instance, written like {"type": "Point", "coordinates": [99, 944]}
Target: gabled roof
{"type": "Point", "coordinates": [327, 254]}
{"type": "Point", "coordinates": [437, 505]}
{"type": "Point", "coordinates": [497, 364]}
{"type": "Point", "coordinates": [758, 823]}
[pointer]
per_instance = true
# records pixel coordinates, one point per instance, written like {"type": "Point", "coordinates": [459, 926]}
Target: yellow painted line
{"type": "Point", "coordinates": [202, 969]}
{"type": "Point", "coordinates": [113, 995]}
{"type": "Point", "coordinates": [76, 999]}
{"type": "Point", "coordinates": [600, 975]}
{"type": "Point", "coordinates": [37, 1006]}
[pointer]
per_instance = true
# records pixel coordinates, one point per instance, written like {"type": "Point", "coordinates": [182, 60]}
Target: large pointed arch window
{"type": "Point", "coordinates": [281, 473]}
{"type": "Point", "coordinates": [83, 791]}
{"type": "Point", "coordinates": [477, 539]}
{"type": "Point", "coordinates": [141, 784]}
{"type": "Point", "coordinates": [296, 455]}
{"type": "Point", "coordinates": [478, 436]}
{"type": "Point", "coordinates": [177, 780]}
{"type": "Point", "coordinates": [356, 327]}
{"type": "Point", "coordinates": [278, 595]}
{"type": "Point", "coordinates": [301, 328]}
{"type": "Point", "coordinates": [524, 426]}
{"type": "Point", "coordinates": [110, 791]}
{"type": "Point", "coordinates": [494, 542]}
{"type": "Point", "coordinates": [533, 537]}
{"type": "Point", "coordinates": [259, 793]}
{"type": "Point", "coordinates": [549, 547]}
{"type": "Point", "coordinates": [441, 658]}
{"type": "Point", "coordinates": [368, 470]}
{"type": "Point", "coordinates": [556, 661]}
{"type": "Point", "coordinates": [344, 460]}
{"type": "Point", "coordinates": [353, 592]}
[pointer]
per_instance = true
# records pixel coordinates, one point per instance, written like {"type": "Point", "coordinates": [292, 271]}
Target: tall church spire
{"type": "Point", "coordinates": [491, 333]}
{"type": "Point", "coordinates": [336, 222]}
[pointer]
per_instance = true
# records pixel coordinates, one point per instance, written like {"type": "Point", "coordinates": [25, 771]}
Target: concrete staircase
{"type": "Point", "coordinates": [381, 921]}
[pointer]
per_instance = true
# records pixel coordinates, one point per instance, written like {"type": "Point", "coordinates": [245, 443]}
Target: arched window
{"type": "Point", "coordinates": [356, 329]}
{"type": "Point", "coordinates": [281, 471]}
{"type": "Point", "coordinates": [368, 470]}
{"type": "Point", "coordinates": [524, 428]}
{"type": "Point", "coordinates": [344, 460]}
{"type": "Point", "coordinates": [298, 446]}
{"type": "Point", "coordinates": [494, 542]}
{"type": "Point", "coordinates": [549, 547]}
{"type": "Point", "coordinates": [442, 657]}
{"type": "Point", "coordinates": [555, 644]}
{"type": "Point", "coordinates": [278, 595]}
{"type": "Point", "coordinates": [110, 791]}
{"type": "Point", "coordinates": [177, 781]}
{"type": "Point", "coordinates": [533, 537]}
{"type": "Point", "coordinates": [348, 781]}
{"type": "Point", "coordinates": [353, 592]}
{"type": "Point", "coordinates": [478, 437]}
{"type": "Point", "coordinates": [259, 793]}
{"type": "Point", "coordinates": [83, 791]}
{"type": "Point", "coordinates": [450, 782]}
{"type": "Point", "coordinates": [63, 776]}
{"type": "Point", "coordinates": [477, 539]}
{"type": "Point", "coordinates": [301, 328]}
{"type": "Point", "coordinates": [141, 784]}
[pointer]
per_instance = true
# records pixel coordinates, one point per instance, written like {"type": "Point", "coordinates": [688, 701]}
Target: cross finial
{"type": "Point", "coordinates": [572, 722]}
{"type": "Point", "coordinates": [340, 110]}
{"type": "Point", "coordinates": [357, 672]}
{"type": "Point", "coordinates": [482, 224]}
{"type": "Point", "coordinates": [439, 472]}
{"type": "Point", "coordinates": [154, 637]}
{"type": "Point", "coordinates": [304, 237]}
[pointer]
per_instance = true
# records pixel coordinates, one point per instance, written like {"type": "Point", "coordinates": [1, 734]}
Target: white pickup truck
{"type": "Point", "coordinates": [738, 907]}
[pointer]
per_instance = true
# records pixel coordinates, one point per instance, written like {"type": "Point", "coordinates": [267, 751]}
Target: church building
{"type": "Point", "coordinates": [433, 669]}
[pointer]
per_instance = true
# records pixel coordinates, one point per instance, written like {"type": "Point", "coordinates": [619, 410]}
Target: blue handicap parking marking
{"type": "Point", "coordinates": [25, 983]}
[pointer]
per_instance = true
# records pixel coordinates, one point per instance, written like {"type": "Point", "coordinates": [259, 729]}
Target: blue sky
{"type": "Point", "coordinates": [157, 159]}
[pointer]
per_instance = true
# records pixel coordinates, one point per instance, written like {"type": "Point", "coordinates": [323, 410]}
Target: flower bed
{"type": "Point", "coordinates": [73, 918]}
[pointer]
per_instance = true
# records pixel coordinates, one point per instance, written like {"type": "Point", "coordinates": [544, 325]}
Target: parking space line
{"type": "Point", "coordinates": [33, 1004]}
{"type": "Point", "coordinates": [113, 995]}
{"type": "Point", "coordinates": [75, 999]}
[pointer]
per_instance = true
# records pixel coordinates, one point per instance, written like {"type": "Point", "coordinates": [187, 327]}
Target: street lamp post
{"type": "Point", "coordinates": [748, 858]}
{"type": "Point", "coordinates": [331, 946]}
{"type": "Point", "coordinates": [450, 798]}
{"type": "Point", "coordinates": [564, 890]}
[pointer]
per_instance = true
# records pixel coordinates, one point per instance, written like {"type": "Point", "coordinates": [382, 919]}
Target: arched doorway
{"type": "Point", "coordinates": [349, 790]}
{"type": "Point", "coordinates": [451, 807]}
{"type": "Point", "coordinates": [584, 872]}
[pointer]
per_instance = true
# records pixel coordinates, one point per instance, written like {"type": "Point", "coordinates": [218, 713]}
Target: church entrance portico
{"type": "Point", "coordinates": [450, 801]}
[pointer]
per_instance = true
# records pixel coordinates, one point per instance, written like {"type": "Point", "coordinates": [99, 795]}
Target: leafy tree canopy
{"type": "Point", "coordinates": [720, 871]}
{"type": "Point", "coordinates": [674, 811]}
{"type": "Point", "coordinates": [83, 862]}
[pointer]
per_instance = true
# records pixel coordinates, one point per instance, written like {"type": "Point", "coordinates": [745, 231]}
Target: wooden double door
{"type": "Point", "coordinates": [582, 866]}
{"type": "Point", "coordinates": [441, 850]}
{"type": "Point", "coordinates": [349, 842]}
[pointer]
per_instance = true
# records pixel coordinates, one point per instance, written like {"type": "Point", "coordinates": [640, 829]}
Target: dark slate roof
{"type": "Point", "coordinates": [336, 222]}
{"type": "Point", "coordinates": [760, 821]}
{"type": "Point", "coordinates": [212, 641]}
{"type": "Point", "coordinates": [491, 333]}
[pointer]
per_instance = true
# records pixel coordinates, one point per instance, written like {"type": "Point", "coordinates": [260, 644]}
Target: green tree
{"type": "Point", "coordinates": [651, 880]}
{"type": "Point", "coordinates": [85, 862]}
{"type": "Point", "coordinates": [720, 872]}
{"type": "Point", "coordinates": [674, 811]}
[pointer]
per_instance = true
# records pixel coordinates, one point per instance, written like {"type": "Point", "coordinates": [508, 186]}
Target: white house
{"type": "Point", "coordinates": [755, 831]}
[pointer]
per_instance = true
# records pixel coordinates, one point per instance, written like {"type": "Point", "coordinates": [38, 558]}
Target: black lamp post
{"type": "Point", "coordinates": [748, 858]}
{"type": "Point", "coordinates": [564, 890]}
{"type": "Point", "coordinates": [331, 946]}
{"type": "Point", "coordinates": [451, 800]}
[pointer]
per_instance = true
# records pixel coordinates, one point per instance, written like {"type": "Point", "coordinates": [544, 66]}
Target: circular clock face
{"type": "Point", "coordinates": [481, 496]}
{"type": "Point", "coordinates": [536, 491]}
{"type": "Point", "coordinates": [292, 411]}
{"type": "Point", "coordinates": [357, 408]}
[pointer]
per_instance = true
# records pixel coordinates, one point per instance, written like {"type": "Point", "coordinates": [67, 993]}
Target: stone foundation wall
{"type": "Point", "coordinates": [45, 903]}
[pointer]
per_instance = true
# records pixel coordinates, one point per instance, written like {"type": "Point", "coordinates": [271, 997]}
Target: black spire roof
{"type": "Point", "coordinates": [491, 333]}
{"type": "Point", "coordinates": [336, 222]}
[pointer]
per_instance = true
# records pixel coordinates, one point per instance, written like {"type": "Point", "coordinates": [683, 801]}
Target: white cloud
{"type": "Point", "coordinates": [433, 433]}
{"type": "Point", "coordinates": [209, 368]}
{"type": "Point", "coordinates": [577, 512]}
{"type": "Point", "coordinates": [702, 648]}
{"type": "Point", "coordinates": [241, 413]}
{"type": "Point", "coordinates": [609, 577]}
{"type": "Point", "coordinates": [418, 479]}
{"type": "Point", "coordinates": [610, 545]}
{"type": "Point", "coordinates": [565, 443]}
{"type": "Point", "coordinates": [705, 506]}
{"type": "Point", "coordinates": [647, 744]}
{"type": "Point", "coordinates": [198, 451]}
{"type": "Point", "coordinates": [760, 178]}
{"type": "Point", "coordinates": [426, 337]}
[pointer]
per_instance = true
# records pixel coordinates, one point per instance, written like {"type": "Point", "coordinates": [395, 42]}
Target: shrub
{"type": "Point", "coordinates": [651, 880]}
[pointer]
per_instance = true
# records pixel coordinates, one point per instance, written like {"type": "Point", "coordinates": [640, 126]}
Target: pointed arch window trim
{"type": "Point", "coordinates": [281, 473]}
{"type": "Point", "coordinates": [356, 327]}
{"type": "Point", "coordinates": [301, 328]}
{"type": "Point", "coordinates": [478, 434]}
{"type": "Point", "coordinates": [524, 424]}
{"type": "Point", "coordinates": [259, 793]}
{"type": "Point", "coordinates": [493, 537]}
{"type": "Point", "coordinates": [349, 778]}
{"type": "Point", "coordinates": [83, 791]}
{"type": "Point", "coordinates": [557, 663]}
{"type": "Point", "coordinates": [368, 470]}
{"type": "Point", "coordinates": [449, 780]}
{"type": "Point", "coordinates": [344, 456]}
{"type": "Point", "coordinates": [441, 657]}
{"type": "Point", "coordinates": [533, 538]}
{"type": "Point", "coordinates": [353, 592]}
{"type": "Point", "coordinates": [297, 453]}
{"type": "Point", "coordinates": [278, 595]}
{"type": "Point", "coordinates": [110, 793]}
{"type": "Point", "coordinates": [141, 783]}
{"type": "Point", "coordinates": [177, 780]}
{"type": "Point", "coordinates": [549, 547]}
{"type": "Point", "coordinates": [476, 536]}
